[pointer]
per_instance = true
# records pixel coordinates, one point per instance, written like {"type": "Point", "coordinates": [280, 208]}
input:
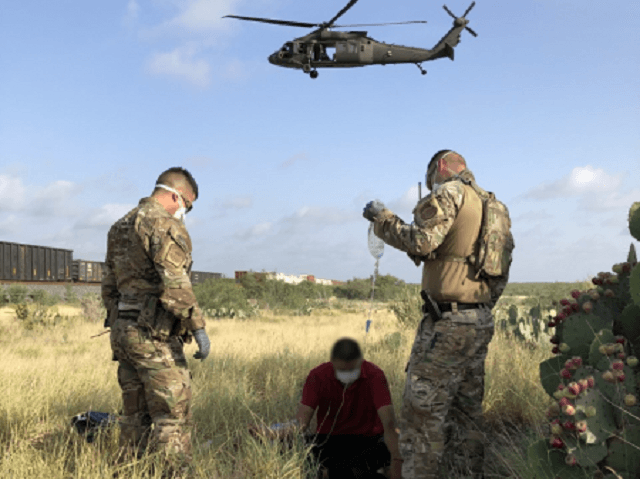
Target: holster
{"type": "Point", "coordinates": [430, 306]}
{"type": "Point", "coordinates": [156, 319]}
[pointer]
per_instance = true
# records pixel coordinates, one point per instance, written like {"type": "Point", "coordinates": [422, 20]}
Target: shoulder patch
{"type": "Point", "coordinates": [428, 210]}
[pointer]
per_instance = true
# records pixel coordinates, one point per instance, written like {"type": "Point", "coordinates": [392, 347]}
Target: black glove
{"type": "Point", "coordinates": [372, 209]}
{"type": "Point", "coordinates": [204, 346]}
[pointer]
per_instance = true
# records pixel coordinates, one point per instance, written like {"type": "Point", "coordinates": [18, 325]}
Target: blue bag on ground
{"type": "Point", "coordinates": [89, 423]}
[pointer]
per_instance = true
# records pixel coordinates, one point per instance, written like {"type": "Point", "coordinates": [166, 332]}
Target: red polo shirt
{"type": "Point", "coordinates": [362, 399]}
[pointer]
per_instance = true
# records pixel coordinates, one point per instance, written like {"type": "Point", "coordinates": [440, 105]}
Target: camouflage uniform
{"type": "Point", "coordinates": [147, 291]}
{"type": "Point", "coordinates": [441, 420]}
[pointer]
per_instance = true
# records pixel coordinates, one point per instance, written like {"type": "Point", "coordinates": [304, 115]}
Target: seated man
{"type": "Point", "coordinates": [356, 432]}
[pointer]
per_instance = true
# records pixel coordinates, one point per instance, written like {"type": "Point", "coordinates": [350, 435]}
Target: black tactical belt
{"type": "Point", "coordinates": [447, 306]}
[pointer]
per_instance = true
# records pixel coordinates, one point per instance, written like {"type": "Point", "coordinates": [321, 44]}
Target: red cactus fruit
{"type": "Point", "coordinates": [584, 384]}
{"type": "Point", "coordinates": [575, 294]}
{"type": "Point", "coordinates": [609, 294]}
{"type": "Point", "coordinates": [591, 381]}
{"type": "Point", "coordinates": [560, 387]}
{"type": "Point", "coordinates": [570, 460]}
{"type": "Point", "coordinates": [632, 361]}
{"type": "Point", "coordinates": [609, 377]}
{"type": "Point", "coordinates": [551, 324]}
{"type": "Point", "coordinates": [630, 400]}
{"type": "Point", "coordinates": [557, 442]}
{"type": "Point", "coordinates": [561, 317]}
{"type": "Point", "coordinates": [563, 402]}
{"type": "Point", "coordinates": [565, 373]}
{"type": "Point", "coordinates": [575, 307]}
{"type": "Point", "coordinates": [568, 364]}
{"type": "Point", "coordinates": [619, 365]}
{"type": "Point", "coordinates": [596, 281]}
{"type": "Point", "coordinates": [554, 340]}
{"type": "Point", "coordinates": [581, 426]}
{"type": "Point", "coordinates": [569, 426]}
{"type": "Point", "coordinates": [626, 267]}
{"type": "Point", "coordinates": [555, 350]}
{"type": "Point", "coordinates": [577, 361]}
{"type": "Point", "coordinates": [621, 378]}
{"type": "Point", "coordinates": [569, 410]}
{"type": "Point", "coordinates": [587, 307]}
{"type": "Point", "coordinates": [574, 388]}
{"type": "Point", "coordinates": [621, 355]}
{"type": "Point", "coordinates": [620, 339]}
{"type": "Point", "coordinates": [565, 302]}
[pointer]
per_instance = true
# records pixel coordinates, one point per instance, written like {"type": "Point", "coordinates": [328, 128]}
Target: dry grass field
{"type": "Point", "coordinates": [255, 373]}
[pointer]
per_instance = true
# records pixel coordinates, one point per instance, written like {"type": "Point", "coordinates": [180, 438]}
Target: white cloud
{"type": "Point", "coordinates": [12, 193]}
{"type": "Point", "coordinates": [581, 181]}
{"type": "Point", "coordinates": [182, 63]}
{"type": "Point", "coordinates": [204, 15]}
{"type": "Point", "coordinates": [53, 199]}
{"type": "Point", "coordinates": [105, 215]}
{"type": "Point", "coordinates": [131, 14]}
{"type": "Point", "coordinates": [407, 201]}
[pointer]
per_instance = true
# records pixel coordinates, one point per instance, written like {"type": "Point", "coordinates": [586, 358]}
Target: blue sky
{"type": "Point", "coordinates": [100, 97]}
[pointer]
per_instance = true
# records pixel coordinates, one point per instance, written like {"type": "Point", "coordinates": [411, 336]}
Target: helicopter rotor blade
{"type": "Point", "coordinates": [471, 31]}
{"type": "Point", "coordinates": [275, 22]}
{"type": "Point", "coordinates": [378, 24]}
{"type": "Point", "coordinates": [340, 13]}
{"type": "Point", "coordinates": [469, 9]}
{"type": "Point", "coordinates": [448, 11]}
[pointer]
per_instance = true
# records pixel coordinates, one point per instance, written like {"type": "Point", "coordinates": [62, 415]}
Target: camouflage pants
{"type": "Point", "coordinates": [156, 392]}
{"type": "Point", "coordinates": [441, 421]}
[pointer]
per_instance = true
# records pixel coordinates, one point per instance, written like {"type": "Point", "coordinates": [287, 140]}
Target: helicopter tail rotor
{"type": "Point", "coordinates": [462, 21]}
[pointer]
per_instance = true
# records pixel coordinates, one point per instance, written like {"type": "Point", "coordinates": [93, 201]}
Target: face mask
{"type": "Point", "coordinates": [180, 212]}
{"type": "Point", "coordinates": [348, 376]}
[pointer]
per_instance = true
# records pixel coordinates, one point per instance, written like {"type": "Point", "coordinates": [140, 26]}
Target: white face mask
{"type": "Point", "coordinates": [180, 212]}
{"type": "Point", "coordinates": [348, 376]}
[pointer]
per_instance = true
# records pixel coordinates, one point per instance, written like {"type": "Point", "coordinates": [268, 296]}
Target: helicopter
{"type": "Point", "coordinates": [324, 48]}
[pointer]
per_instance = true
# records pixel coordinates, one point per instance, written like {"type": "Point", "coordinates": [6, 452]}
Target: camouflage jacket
{"type": "Point", "coordinates": [149, 253]}
{"type": "Point", "coordinates": [434, 216]}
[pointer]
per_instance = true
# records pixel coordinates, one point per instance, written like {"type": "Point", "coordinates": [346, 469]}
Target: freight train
{"type": "Point", "coordinates": [23, 263]}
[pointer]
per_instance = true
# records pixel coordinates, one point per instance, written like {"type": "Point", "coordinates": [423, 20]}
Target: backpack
{"type": "Point", "coordinates": [495, 242]}
{"type": "Point", "coordinates": [89, 423]}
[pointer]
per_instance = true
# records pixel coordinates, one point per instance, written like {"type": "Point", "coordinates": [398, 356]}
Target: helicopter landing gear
{"type": "Point", "coordinates": [313, 74]}
{"type": "Point", "coordinates": [306, 67]}
{"type": "Point", "coordinates": [422, 70]}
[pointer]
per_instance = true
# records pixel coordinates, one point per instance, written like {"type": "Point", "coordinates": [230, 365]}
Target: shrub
{"type": "Point", "coordinates": [223, 298]}
{"type": "Point", "coordinates": [17, 293]}
{"type": "Point", "coordinates": [69, 295]}
{"type": "Point", "coordinates": [92, 308]}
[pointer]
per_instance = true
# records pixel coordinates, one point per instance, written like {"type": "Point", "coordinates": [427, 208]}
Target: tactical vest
{"type": "Point", "coordinates": [476, 252]}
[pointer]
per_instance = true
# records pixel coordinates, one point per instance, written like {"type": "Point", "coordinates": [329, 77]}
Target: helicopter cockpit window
{"type": "Point", "coordinates": [287, 47]}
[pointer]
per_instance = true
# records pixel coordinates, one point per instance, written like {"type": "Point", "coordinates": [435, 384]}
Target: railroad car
{"type": "Point", "coordinates": [30, 263]}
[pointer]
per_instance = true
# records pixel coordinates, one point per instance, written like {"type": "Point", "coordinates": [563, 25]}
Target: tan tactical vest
{"type": "Point", "coordinates": [449, 277]}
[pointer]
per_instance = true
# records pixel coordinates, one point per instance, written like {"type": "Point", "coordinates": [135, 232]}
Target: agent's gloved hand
{"type": "Point", "coordinates": [373, 209]}
{"type": "Point", "coordinates": [204, 346]}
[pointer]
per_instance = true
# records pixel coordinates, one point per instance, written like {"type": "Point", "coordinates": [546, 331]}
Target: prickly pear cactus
{"type": "Point", "coordinates": [594, 428]}
{"type": "Point", "coordinates": [530, 329]}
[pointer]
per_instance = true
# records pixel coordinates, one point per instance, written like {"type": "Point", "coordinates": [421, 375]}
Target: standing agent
{"type": "Point", "coordinates": [152, 312]}
{"type": "Point", "coordinates": [356, 432]}
{"type": "Point", "coordinates": [466, 256]}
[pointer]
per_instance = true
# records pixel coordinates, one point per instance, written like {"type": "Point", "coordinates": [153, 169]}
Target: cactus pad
{"type": "Point", "coordinates": [630, 322]}
{"type": "Point", "coordinates": [596, 358]}
{"type": "Point", "coordinates": [549, 463]}
{"type": "Point", "coordinates": [634, 220]}
{"type": "Point", "coordinates": [579, 331]}
{"type": "Point", "coordinates": [550, 373]}
{"type": "Point", "coordinates": [624, 452]}
{"type": "Point", "coordinates": [601, 426]}
{"type": "Point", "coordinates": [634, 284]}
